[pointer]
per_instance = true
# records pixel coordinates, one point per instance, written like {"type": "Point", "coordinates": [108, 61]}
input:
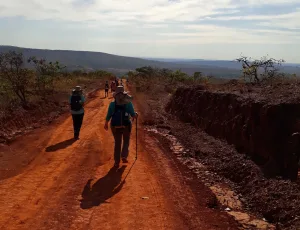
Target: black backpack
{"type": "Point", "coordinates": [75, 104]}
{"type": "Point", "coordinates": [120, 117]}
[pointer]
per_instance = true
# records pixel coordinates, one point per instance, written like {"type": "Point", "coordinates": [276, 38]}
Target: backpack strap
{"type": "Point", "coordinates": [114, 108]}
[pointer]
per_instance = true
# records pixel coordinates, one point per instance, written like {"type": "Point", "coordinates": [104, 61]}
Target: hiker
{"type": "Point", "coordinates": [76, 105]}
{"type": "Point", "coordinates": [121, 82]}
{"type": "Point", "coordinates": [120, 112]}
{"type": "Point", "coordinates": [117, 82]}
{"type": "Point", "coordinates": [113, 86]}
{"type": "Point", "coordinates": [106, 88]}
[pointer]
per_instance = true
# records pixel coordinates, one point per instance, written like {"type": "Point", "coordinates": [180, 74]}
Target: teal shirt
{"type": "Point", "coordinates": [80, 111]}
{"type": "Point", "coordinates": [129, 109]}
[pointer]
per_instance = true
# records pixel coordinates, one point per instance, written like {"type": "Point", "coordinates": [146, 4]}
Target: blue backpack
{"type": "Point", "coordinates": [120, 118]}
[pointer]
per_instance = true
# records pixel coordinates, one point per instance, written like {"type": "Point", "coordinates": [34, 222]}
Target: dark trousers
{"type": "Point", "coordinates": [106, 92]}
{"type": "Point", "coordinates": [77, 122]}
{"type": "Point", "coordinates": [121, 134]}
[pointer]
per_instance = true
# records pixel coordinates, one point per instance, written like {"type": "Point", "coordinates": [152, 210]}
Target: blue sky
{"type": "Point", "coordinates": [215, 29]}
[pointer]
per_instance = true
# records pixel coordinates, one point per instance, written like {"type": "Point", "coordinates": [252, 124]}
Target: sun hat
{"type": "Point", "coordinates": [120, 90]}
{"type": "Point", "coordinates": [77, 89]}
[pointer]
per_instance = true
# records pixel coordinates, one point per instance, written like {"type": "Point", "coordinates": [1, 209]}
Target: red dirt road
{"type": "Point", "coordinates": [51, 182]}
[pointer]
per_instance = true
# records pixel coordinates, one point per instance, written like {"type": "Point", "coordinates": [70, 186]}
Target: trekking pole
{"type": "Point", "coordinates": [136, 137]}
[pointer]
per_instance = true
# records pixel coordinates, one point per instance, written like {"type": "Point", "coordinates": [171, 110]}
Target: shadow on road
{"type": "Point", "coordinates": [60, 145]}
{"type": "Point", "coordinates": [105, 188]}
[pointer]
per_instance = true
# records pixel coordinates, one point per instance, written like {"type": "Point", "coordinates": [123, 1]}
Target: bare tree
{"type": "Point", "coordinates": [13, 72]}
{"type": "Point", "coordinates": [251, 67]}
{"type": "Point", "coordinates": [270, 66]}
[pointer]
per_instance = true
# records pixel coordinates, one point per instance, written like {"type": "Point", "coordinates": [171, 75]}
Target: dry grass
{"type": "Point", "coordinates": [55, 102]}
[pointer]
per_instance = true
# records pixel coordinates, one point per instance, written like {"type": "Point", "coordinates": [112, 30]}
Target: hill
{"type": "Point", "coordinates": [289, 67]}
{"type": "Point", "coordinates": [83, 59]}
{"type": "Point", "coordinates": [118, 64]}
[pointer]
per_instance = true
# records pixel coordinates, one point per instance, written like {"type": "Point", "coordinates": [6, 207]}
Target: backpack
{"type": "Point", "coordinates": [120, 117]}
{"type": "Point", "coordinates": [75, 104]}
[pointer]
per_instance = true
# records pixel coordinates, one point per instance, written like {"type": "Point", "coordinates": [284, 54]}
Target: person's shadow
{"type": "Point", "coordinates": [105, 188]}
{"type": "Point", "coordinates": [60, 145]}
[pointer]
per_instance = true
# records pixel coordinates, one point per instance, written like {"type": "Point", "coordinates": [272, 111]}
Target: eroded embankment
{"type": "Point", "coordinates": [260, 128]}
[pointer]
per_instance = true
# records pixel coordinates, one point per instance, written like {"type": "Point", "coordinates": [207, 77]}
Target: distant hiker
{"type": "Point", "coordinates": [106, 88]}
{"type": "Point", "coordinates": [121, 82]}
{"type": "Point", "coordinates": [117, 82]}
{"type": "Point", "coordinates": [113, 86]}
{"type": "Point", "coordinates": [76, 104]}
{"type": "Point", "coordinates": [120, 112]}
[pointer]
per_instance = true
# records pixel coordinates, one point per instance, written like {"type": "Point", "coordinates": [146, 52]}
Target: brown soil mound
{"type": "Point", "coordinates": [257, 126]}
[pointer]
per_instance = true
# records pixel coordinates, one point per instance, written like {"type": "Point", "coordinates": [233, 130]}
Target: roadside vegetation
{"type": "Point", "coordinates": [21, 85]}
{"type": "Point", "coordinates": [254, 72]}
{"type": "Point", "coordinates": [30, 94]}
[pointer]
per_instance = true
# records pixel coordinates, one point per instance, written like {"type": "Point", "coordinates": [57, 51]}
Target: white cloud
{"type": "Point", "coordinates": [270, 2]}
{"type": "Point", "coordinates": [200, 34]}
{"type": "Point", "coordinates": [162, 22]}
{"type": "Point", "coordinates": [287, 21]}
{"type": "Point", "coordinates": [148, 11]}
{"type": "Point", "coordinates": [143, 11]}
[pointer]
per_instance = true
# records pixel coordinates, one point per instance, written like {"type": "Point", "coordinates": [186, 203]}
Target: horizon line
{"type": "Point", "coordinates": [140, 57]}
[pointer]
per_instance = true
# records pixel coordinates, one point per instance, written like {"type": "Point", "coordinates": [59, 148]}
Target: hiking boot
{"type": "Point", "coordinates": [124, 160]}
{"type": "Point", "coordinates": [76, 136]}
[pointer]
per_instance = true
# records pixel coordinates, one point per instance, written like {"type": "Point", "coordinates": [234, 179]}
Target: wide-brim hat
{"type": "Point", "coordinates": [120, 90]}
{"type": "Point", "coordinates": [77, 89]}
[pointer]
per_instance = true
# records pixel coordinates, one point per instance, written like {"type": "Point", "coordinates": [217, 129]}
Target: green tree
{"type": "Point", "coordinates": [146, 71]}
{"type": "Point", "coordinates": [46, 72]}
{"type": "Point", "coordinates": [197, 76]}
{"type": "Point", "coordinates": [178, 75]}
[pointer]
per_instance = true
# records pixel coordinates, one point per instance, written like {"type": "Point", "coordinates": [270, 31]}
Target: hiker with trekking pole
{"type": "Point", "coordinates": [120, 113]}
{"type": "Point", "coordinates": [76, 101]}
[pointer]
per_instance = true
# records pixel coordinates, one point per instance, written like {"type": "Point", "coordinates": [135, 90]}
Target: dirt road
{"type": "Point", "coordinates": [52, 182]}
